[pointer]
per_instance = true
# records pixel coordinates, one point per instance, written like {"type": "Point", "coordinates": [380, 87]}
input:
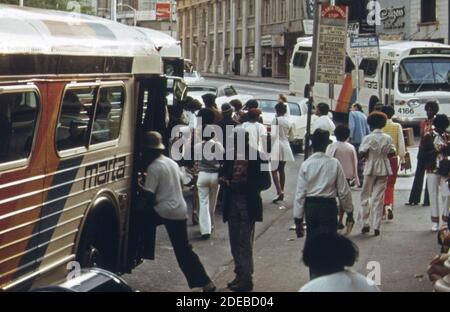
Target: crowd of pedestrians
{"type": "Point", "coordinates": [366, 153]}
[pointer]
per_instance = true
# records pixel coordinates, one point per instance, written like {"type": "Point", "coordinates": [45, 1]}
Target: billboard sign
{"type": "Point", "coordinates": [163, 11]}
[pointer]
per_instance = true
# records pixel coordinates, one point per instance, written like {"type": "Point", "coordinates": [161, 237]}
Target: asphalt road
{"type": "Point", "coordinates": [251, 88]}
{"type": "Point", "coordinates": [399, 256]}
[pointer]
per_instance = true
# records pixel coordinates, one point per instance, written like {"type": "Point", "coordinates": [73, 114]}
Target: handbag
{"type": "Point", "coordinates": [444, 240]}
{"type": "Point", "coordinates": [407, 164]}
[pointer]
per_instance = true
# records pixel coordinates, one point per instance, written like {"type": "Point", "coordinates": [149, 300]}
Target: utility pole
{"type": "Point", "coordinates": [171, 18]}
{"type": "Point", "coordinates": [312, 77]}
{"type": "Point", "coordinates": [114, 10]}
{"type": "Point", "coordinates": [132, 9]}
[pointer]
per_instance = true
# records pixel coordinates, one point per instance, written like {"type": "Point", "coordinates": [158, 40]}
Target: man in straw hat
{"type": "Point", "coordinates": [163, 184]}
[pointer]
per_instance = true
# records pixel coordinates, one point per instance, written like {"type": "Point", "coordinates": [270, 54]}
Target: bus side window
{"type": "Point", "coordinates": [108, 115]}
{"type": "Point", "coordinates": [369, 66]}
{"type": "Point", "coordinates": [74, 119]}
{"type": "Point", "coordinates": [300, 59]}
{"type": "Point", "coordinates": [18, 118]}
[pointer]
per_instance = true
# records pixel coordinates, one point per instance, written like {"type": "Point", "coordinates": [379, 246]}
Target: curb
{"type": "Point", "coordinates": [246, 79]}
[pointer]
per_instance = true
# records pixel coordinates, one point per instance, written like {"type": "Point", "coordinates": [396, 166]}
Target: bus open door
{"type": "Point", "coordinates": [150, 116]}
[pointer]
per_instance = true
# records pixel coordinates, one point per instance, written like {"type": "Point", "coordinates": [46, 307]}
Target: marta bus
{"type": "Point", "coordinates": [406, 75]}
{"type": "Point", "coordinates": [76, 93]}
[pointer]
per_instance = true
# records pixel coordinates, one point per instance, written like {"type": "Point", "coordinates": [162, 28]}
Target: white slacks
{"type": "Point", "coordinates": [208, 188]}
{"type": "Point", "coordinates": [373, 190]}
{"type": "Point", "coordinates": [438, 190]}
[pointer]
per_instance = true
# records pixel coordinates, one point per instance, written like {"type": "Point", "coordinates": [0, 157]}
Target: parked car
{"type": "Point", "coordinates": [224, 93]}
{"type": "Point", "coordinates": [296, 113]}
{"type": "Point", "coordinates": [192, 77]}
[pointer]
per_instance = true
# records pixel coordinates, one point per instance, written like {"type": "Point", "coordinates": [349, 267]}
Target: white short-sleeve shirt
{"type": "Point", "coordinates": [164, 180]}
{"type": "Point", "coordinates": [345, 281]}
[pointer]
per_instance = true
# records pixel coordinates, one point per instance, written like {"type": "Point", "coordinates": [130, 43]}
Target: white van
{"type": "Point", "coordinates": [406, 75]}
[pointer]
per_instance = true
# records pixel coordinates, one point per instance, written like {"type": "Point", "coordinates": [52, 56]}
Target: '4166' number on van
{"type": "Point", "coordinates": [406, 111]}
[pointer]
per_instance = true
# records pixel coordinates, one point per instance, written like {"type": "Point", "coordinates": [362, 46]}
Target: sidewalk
{"type": "Point", "coordinates": [403, 251]}
{"type": "Point", "coordinates": [269, 80]}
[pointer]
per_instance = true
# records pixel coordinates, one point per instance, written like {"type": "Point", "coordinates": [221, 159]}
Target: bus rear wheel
{"type": "Point", "coordinates": [94, 248]}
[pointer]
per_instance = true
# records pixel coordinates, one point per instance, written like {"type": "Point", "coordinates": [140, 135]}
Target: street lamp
{"type": "Point", "coordinates": [131, 8]}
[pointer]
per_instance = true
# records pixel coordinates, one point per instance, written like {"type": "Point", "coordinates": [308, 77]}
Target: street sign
{"type": "Point", "coordinates": [332, 44]}
{"type": "Point", "coordinates": [366, 46]}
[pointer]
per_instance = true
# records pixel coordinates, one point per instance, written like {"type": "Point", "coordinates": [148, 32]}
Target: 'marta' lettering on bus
{"type": "Point", "coordinates": [104, 172]}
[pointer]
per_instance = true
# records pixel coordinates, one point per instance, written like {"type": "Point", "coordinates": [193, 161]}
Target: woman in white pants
{"type": "Point", "coordinates": [436, 147]}
{"type": "Point", "coordinates": [375, 148]}
{"type": "Point", "coordinates": [208, 153]}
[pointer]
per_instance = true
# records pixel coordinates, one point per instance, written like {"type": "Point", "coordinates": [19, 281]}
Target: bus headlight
{"type": "Point", "coordinates": [413, 103]}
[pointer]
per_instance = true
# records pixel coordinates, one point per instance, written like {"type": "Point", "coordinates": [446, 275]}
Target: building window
{"type": "Point", "coordinates": [238, 9]}
{"type": "Point", "coordinates": [283, 10]}
{"type": "Point", "coordinates": [428, 11]}
{"type": "Point", "coordinates": [194, 17]}
{"type": "Point", "coordinates": [219, 12]}
{"type": "Point", "coordinates": [251, 7]}
{"type": "Point", "coordinates": [293, 13]}
{"type": "Point", "coordinates": [266, 11]}
{"type": "Point", "coordinates": [274, 11]}
{"type": "Point", "coordinates": [211, 14]}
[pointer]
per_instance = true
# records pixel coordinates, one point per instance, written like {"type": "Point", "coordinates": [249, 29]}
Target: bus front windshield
{"type": "Point", "coordinates": [424, 74]}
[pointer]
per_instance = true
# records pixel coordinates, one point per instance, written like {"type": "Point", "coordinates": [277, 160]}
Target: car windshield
{"type": "Point", "coordinates": [190, 75]}
{"type": "Point", "coordinates": [202, 89]}
{"type": "Point", "coordinates": [424, 74]}
{"type": "Point", "coordinates": [229, 91]}
{"type": "Point", "coordinates": [267, 106]}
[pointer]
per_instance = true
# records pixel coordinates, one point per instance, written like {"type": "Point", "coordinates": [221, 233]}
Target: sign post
{"type": "Point", "coordinates": [328, 52]}
{"type": "Point", "coordinates": [312, 77]}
